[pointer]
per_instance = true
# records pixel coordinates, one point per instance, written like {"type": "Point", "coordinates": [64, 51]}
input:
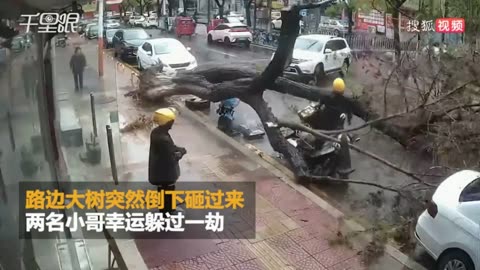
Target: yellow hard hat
{"type": "Point", "coordinates": [164, 115]}
{"type": "Point", "coordinates": [339, 86]}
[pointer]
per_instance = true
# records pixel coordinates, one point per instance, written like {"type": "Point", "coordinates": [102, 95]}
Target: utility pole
{"type": "Point", "coordinates": [269, 9]}
{"type": "Point", "coordinates": [100, 38]}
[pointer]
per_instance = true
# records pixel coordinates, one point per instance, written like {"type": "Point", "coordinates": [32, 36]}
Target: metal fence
{"type": "Point", "coordinates": [356, 41]}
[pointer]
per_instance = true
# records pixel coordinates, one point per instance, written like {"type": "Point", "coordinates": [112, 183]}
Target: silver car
{"type": "Point", "coordinates": [336, 27]}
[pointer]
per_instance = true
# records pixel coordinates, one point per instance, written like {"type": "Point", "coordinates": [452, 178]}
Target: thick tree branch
{"type": "Point", "coordinates": [359, 182]}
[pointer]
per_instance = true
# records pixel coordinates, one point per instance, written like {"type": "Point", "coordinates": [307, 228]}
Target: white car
{"type": "Point", "coordinates": [240, 17]}
{"type": "Point", "coordinates": [168, 51]}
{"type": "Point", "coordinates": [314, 56]}
{"type": "Point", "coordinates": [449, 229]}
{"type": "Point", "coordinates": [136, 20]}
{"type": "Point", "coordinates": [111, 24]}
{"type": "Point", "coordinates": [229, 33]}
{"type": "Point", "coordinates": [151, 22]}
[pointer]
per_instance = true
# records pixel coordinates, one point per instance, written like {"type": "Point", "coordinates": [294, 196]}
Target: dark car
{"type": "Point", "coordinates": [92, 32]}
{"type": "Point", "coordinates": [18, 44]}
{"type": "Point", "coordinates": [126, 42]}
{"type": "Point", "coordinates": [108, 37]}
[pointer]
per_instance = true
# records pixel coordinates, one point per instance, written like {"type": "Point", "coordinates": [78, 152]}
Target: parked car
{"type": "Point", "coordinates": [18, 44]}
{"type": "Point", "coordinates": [81, 26]}
{"type": "Point", "coordinates": [87, 27]}
{"type": "Point", "coordinates": [151, 22]}
{"type": "Point", "coordinates": [237, 15]}
{"type": "Point", "coordinates": [108, 37]}
{"type": "Point", "coordinates": [136, 20]}
{"type": "Point", "coordinates": [449, 229]}
{"type": "Point", "coordinates": [111, 24]}
{"type": "Point", "coordinates": [127, 41]}
{"type": "Point", "coordinates": [229, 33]}
{"type": "Point", "coordinates": [92, 32]}
{"type": "Point", "coordinates": [168, 51]}
{"type": "Point", "coordinates": [229, 19]}
{"type": "Point", "coordinates": [337, 27]}
{"type": "Point", "coordinates": [314, 56]}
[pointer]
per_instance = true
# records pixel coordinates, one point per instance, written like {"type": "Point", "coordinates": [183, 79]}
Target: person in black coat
{"type": "Point", "coordinates": [163, 167]}
{"type": "Point", "coordinates": [78, 63]}
{"type": "Point", "coordinates": [336, 106]}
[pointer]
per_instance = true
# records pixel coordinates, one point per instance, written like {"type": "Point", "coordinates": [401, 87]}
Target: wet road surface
{"type": "Point", "coordinates": [356, 200]}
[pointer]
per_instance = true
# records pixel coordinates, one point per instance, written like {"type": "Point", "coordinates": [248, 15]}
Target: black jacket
{"type": "Point", "coordinates": [163, 168]}
{"type": "Point", "coordinates": [78, 63]}
{"type": "Point", "coordinates": [332, 111]}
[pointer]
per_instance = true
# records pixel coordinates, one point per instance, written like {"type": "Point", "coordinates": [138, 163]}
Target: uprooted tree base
{"type": "Point", "coordinates": [443, 101]}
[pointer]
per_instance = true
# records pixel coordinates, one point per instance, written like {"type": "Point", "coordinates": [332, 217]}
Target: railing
{"type": "Point", "coordinates": [356, 41]}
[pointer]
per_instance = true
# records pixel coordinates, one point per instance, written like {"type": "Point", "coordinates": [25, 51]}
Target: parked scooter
{"type": "Point", "coordinates": [61, 41]}
{"type": "Point", "coordinates": [325, 158]}
{"type": "Point", "coordinates": [226, 110]}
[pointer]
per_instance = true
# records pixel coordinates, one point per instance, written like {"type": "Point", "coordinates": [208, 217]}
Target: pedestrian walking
{"type": "Point", "coordinates": [163, 167]}
{"type": "Point", "coordinates": [77, 65]}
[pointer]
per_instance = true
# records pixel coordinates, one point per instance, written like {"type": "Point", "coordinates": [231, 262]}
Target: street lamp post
{"type": "Point", "coordinates": [100, 38]}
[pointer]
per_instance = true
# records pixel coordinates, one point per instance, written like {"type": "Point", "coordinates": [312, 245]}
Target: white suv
{"type": "Point", "coordinates": [317, 55]}
{"type": "Point", "coordinates": [150, 22]}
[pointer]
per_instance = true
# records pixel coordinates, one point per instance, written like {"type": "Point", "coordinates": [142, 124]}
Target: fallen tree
{"type": "Point", "coordinates": [219, 82]}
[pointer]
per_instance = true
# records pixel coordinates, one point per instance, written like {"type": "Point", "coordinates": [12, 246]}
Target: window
{"type": "Point", "coordinates": [147, 47]}
{"type": "Point", "coordinates": [471, 192]}
{"type": "Point", "coordinates": [330, 45]}
{"type": "Point", "coordinates": [306, 44]}
{"type": "Point", "coordinates": [221, 27]}
{"type": "Point", "coordinates": [339, 44]}
{"type": "Point", "coordinates": [169, 46]}
{"type": "Point", "coordinates": [136, 34]}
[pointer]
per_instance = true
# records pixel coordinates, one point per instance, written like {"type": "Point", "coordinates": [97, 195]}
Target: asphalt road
{"type": "Point", "coordinates": [358, 201]}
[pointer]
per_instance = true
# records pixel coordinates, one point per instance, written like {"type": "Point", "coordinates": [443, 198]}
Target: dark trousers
{"type": "Point", "coordinates": [78, 78]}
{"type": "Point", "coordinates": [167, 198]}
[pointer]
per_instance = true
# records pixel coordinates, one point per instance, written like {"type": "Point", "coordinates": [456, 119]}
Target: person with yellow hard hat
{"type": "Point", "coordinates": [163, 167]}
{"type": "Point", "coordinates": [330, 116]}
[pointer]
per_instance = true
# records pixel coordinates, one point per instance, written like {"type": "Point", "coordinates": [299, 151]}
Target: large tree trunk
{"type": "Point", "coordinates": [171, 7]}
{"type": "Point", "coordinates": [220, 8]}
{"type": "Point", "coordinates": [255, 15]}
{"type": "Point", "coordinates": [350, 19]}
{"type": "Point", "coordinates": [247, 4]}
{"type": "Point", "coordinates": [184, 6]}
{"type": "Point", "coordinates": [396, 33]}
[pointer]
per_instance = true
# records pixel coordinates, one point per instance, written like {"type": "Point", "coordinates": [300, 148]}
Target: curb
{"type": "Point", "coordinates": [287, 176]}
{"type": "Point", "coordinates": [263, 47]}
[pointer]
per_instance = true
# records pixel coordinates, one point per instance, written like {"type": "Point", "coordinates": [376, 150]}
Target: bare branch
{"type": "Point", "coordinates": [359, 182]}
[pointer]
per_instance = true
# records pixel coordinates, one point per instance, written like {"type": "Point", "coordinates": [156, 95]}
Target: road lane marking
{"type": "Point", "coordinates": [224, 53]}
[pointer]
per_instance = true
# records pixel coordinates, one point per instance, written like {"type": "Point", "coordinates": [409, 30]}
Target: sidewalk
{"type": "Point", "coordinates": [293, 231]}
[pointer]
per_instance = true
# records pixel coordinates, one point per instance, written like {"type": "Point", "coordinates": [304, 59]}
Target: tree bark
{"type": "Point", "coordinates": [184, 6]}
{"type": "Point", "coordinates": [396, 33]}
{"type": "Point", "coordinates": [171, 7]}
{"type": "Point", "coordinates": [350, 19]}
{"type": "Point", "coordinates": [247, 4]}
{"type": "Point", "coordinates": [255, 15]}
